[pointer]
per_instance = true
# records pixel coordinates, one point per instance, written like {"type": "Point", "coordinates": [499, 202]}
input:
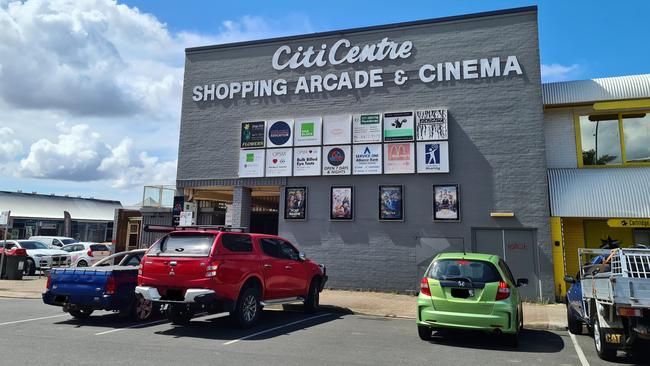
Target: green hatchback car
{"type": "Point", "coordinates": [470, 291]}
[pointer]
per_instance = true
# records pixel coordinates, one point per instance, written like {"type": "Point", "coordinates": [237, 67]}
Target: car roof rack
{"type": "Point", "coordinates": [169, 229]}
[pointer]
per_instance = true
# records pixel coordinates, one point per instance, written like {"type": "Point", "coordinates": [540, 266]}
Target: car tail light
{"type": "Point", "coordinates": [211, 270]}
{"type": "Point", "coordinates": [424, 287]}
{"type": "Point", "coordinates": [48, 284]}
{"type": "Point", "coordinates": [629, 312]}
{"type": "Point", "coordinates": [503, 292]}
{"type": "Point", "coordinates": [110, 286]}
{"type": "Point", "coordinates": [140, 270]}
{"type": "Point", "coordinates": [90, 252]}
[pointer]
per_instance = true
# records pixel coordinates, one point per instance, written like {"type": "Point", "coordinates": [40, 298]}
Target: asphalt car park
{"type": "Point", "coordinates": [32, 333]}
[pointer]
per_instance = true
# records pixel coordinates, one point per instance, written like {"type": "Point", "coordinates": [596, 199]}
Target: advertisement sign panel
{"type": "Point", "coordinates": [399, 158]}
{"type": "Point", "coordinates": [307, 131]}
{"type": "Point", "coordinates": [366, 128]}
{"type": "Point", "coordinates": [253, 134]}
{"type": "Point", "coordinates": [367, 159]}
{"type": "Point", "coordinates": [337, 129]}
{"type": "Point", "coordinates": [295, 203]}
{"type": "Point", "coordinates": [433, 157]}
{"type": "Point", "coordinates": [398, 126]}
{"type": "Point", "coordinates": [280, 133]}
{"type": "Point", "coordinates": [391, 203]}
{"type": "Point", "coordinates": [306, 161]}
{"type": "Point", "coordinates": [341, 203]}
{"type": "Point", "coordinates": [185, 218]}
{"type": "Point", "coordinates": [251, 163]}
{"type": "Point", "coordinates": [336, 160]}
{"type": "Point", "coordinates": [279, 162]}
{"type": "Point", "coordinates": [431, 124]}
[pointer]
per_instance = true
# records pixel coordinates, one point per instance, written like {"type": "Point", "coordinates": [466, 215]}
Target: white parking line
{"type": "Point", "coordinates": [33, 319]}
{"type": "Point", "coordinates": [133, 326]}
{"type": "Point", "coordinates": [581, 355]}
{"type": "Point", "coordinates": [275, 328]}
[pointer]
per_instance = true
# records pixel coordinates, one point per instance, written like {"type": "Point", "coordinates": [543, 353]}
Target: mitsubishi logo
{"type": "Point", "coordinates": [461, 283]}
{"type": "Point", "coordinates": [172, 274]}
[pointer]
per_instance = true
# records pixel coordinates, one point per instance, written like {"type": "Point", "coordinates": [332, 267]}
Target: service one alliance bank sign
{"type": "Point", "coordinates": [343, 52]}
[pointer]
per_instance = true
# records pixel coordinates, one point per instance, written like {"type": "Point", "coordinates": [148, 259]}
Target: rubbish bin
{"type": "Point", "coordinates": [13, 265]}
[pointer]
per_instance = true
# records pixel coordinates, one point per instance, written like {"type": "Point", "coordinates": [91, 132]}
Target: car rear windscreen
{"type": "Point", "coordinates": [457, 269]}
{"type": "Point", "coordinates": [99, 248]}
{"type": "Point", "coordinates": [184, 245]}
{"type": "Point", "coordinates": [69, 241]}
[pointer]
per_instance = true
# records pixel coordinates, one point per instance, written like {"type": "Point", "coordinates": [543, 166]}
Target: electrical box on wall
{"type": "Point", "coordinates": [191, 206]}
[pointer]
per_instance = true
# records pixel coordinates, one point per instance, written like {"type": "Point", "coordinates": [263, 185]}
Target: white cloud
{"type": "Point", "coordinates": [557, 72]}
{"type": "Point", "coordinates": [114, 75]}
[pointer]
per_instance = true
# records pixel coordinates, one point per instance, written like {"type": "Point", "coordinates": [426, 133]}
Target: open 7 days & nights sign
{"type": "Point", "coordinates": [343, 52]}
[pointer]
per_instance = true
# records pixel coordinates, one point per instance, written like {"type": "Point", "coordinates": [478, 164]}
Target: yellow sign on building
{"type": "Point", "coordinates": [628, 223]}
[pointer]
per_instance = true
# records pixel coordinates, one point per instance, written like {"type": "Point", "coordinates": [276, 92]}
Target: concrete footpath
{"type": "Point", "coordinates": [536, 316]}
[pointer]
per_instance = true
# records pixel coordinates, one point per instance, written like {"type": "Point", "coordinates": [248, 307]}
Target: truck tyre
{"type": "Point", "coordinates": [424, 332]}
{"type": "Point", "coordinates": [81, 313]}
{"type": "Point", "coordinates": [247, 309]}
{"type": "Point", "coordinates": [575, 325]}
{"type": "Point", "coordinates": [605, 353]}
{"type": "Point", "coordinates": [179, 315]}
{"type": "Point", "coordinates": [312, 302]}
{"type": "Point", "coordinates": [30, 267]}
{"type": "Point", "coordinates": [142, 308]}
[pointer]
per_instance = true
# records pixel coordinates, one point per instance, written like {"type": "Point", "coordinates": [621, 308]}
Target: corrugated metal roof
{"type": "Point", "coordinates": [596, 90]}
{"type": "Point", "coordinates": [51, 207]}
{"type": "Point", "coordinates": [606, 193]}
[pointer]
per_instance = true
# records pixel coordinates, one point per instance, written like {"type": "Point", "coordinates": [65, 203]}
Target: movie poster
{"type": "Point", "coordinates": [446, 204]}
{"type": "Point", "coordinates": [295, 203]}
{"type": "Point", "coordinates": [341, 204]}
{"type": "Point", "coordinates": [391, 203]}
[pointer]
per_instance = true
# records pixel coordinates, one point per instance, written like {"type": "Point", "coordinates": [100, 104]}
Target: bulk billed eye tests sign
{"type": "Point", "coordinates": [344, 52]}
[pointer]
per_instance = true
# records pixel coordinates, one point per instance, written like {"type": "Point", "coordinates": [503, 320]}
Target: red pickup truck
{"type": "Point", "coordinates": [198, 269]}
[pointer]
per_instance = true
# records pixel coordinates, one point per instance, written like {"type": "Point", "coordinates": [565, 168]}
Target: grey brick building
{"type": "Point", "coordinates": [481, 71]}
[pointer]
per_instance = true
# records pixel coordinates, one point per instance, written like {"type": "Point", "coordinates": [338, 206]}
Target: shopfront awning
{"type": "Point", "coordinates": [602, 193]}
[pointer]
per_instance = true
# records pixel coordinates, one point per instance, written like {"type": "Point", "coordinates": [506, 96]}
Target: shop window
{"type": "Point", "coordinates": [614, 139]}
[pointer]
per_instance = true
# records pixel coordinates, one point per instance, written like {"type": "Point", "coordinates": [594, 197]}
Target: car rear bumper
{"type": "Point", "coordinates": [102, 302]}
{"type": "Point", "coordinates": [192, 295]}
{"type": "Point", "coordinates": [503, 317]}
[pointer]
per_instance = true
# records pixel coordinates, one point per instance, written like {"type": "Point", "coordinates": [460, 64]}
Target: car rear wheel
{"type": "Point", "coordinates": [82, 263]}
{"type": "Point", "coordinates": [247, 309]}
{"type": "Point", "coordinates": [574, 324]}
{"type": "Point", "coordinates": [605, 353]}
{"type": "Point", "coordinates": [179, 315]}
{"type": "Point", "coordinates": [81, 313]}
{"type": "Point", "coordinates": [425, 332]}
{"type": "Point", "coordinates": [30, 267]}
{"type": "Point", "coordinates": [142, 308]}
{"type": "Point", "coordinates": [313, 298]}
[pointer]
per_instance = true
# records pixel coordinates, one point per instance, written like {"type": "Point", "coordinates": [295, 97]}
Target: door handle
{"type": "Point", "coordinates": [267, 266]}
{"type": "Point", "coordinates": [288, 267]}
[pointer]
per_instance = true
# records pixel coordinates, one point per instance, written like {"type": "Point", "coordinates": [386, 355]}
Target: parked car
{"type": "Point", "coordinates": [40, 256]}
{"type": "Point", "coordinates": [470, 291]}
{"type": "Point", "coordinates": [54, 241]}
{"type": "Point", "coordinates": [108, 285]}
{"type": "Point", "coordinates": [86, 254]}
{"type": "Point", "coordinates": [207, 269]}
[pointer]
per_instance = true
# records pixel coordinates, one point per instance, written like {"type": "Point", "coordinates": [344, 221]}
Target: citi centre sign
{"type": "Point", "coordinates": [342, 52]}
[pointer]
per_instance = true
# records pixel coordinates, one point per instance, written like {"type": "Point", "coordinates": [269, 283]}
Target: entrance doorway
{"type": "Point", "coordinates": [265, 210]}
{"type": "Point", "coordinates": [516, 247]}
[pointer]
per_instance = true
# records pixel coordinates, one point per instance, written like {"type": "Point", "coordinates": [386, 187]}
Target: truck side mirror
{"type": "Point", "coordinates": [569, 279]}
{"type": "Point", "coordinates": [302, 256]}
{"type": "Point", "coordinates": [522, 282]}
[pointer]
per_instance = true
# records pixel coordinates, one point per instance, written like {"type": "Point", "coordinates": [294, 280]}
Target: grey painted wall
{"type": "Point", "coordinates": [497, 151]}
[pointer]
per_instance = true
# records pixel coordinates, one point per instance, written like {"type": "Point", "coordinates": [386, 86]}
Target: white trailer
{"type": "Point", "coordinates": [616, 297]}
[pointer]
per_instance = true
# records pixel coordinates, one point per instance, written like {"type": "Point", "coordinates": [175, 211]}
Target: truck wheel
{"type": "Point", "coordinates": [179, 315]}
{"type": "Point", "coordinates": [81, 313]}
{"type": "Point", "coordinates": [142, 308]}
{"type": "Point", "coordinates": [424, 332]}
{"type": "Point", "coordinates": [606, 354]}
{"type": "Point", "coordinates": [30, 267]}
{"type": "Point", "coordinates": [575, 325]}
{"type": "Point", "coordinates": [313, 297]}
{"type": "Point", "coordinates": [247, 309]}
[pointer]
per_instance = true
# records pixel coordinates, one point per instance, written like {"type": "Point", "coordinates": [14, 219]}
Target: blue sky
{"type": "Point", "coordinates": [90, 90]}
